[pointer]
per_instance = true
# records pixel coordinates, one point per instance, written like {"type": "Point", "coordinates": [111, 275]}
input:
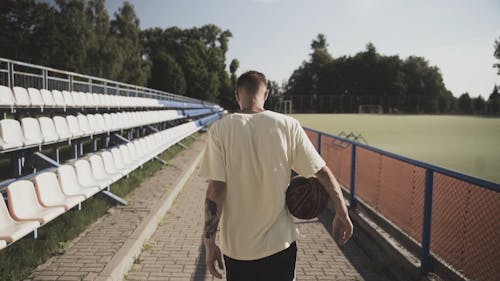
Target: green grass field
{"type": "Point", "coordinates": [466, 144]}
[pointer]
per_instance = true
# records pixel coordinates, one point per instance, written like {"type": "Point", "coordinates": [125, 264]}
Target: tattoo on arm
{"type": "Point", "coordinates": [211, 220]}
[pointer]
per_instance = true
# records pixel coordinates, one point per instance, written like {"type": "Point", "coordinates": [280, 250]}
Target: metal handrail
{"type": "Point", "coordinates": [90, 81]}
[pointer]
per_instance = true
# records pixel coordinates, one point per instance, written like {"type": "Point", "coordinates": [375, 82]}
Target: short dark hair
{"type": "Point", "coordinates": [250, 81]}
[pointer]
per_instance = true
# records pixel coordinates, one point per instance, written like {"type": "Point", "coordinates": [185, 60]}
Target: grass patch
{"type": "Point", "coordinates": [18, 260]}
{"type": "Point", "coordinates": [146, 246]}
{"type": "Point", "coordinates": [467, 144]}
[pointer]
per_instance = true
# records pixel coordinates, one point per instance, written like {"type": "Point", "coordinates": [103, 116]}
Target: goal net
{"type": "Point", "coordinates": [370, 108]}
{"type": "Point", "coordinates": [284, 106]}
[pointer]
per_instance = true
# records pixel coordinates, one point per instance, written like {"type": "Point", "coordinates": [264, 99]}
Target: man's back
{"type": "Point", "coordinates": [254, 154]}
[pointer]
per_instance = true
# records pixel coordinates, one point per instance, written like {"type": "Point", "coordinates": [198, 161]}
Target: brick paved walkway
{"type": "Point", "coordinates": [90, 252]}
{"type": "Point", "coordinates": [176, 252]}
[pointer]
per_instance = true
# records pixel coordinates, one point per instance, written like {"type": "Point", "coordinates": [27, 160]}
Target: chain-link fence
{"type": "Point", "coordinates": [451, 216]}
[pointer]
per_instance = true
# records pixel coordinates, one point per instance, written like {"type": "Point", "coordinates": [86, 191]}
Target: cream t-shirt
{"type": "Point", "coordinates": [253, 153]}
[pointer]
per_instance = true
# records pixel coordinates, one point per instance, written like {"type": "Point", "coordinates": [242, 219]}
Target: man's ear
{"type": "Point", "coordinates": [266, 94]}
{"type": "Point", "coordinates": [236, 96]}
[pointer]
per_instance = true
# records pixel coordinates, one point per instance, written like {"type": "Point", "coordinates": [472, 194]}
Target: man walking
{"type": "Point", "coordinates": [247, 161]}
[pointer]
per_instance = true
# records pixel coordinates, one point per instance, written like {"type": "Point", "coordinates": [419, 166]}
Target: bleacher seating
{"type": "Point", "coordinates": [45, 130]}
{"type": "Point", "coordinates": [12, 230]}
{"type": "Point", "coordinates": [35, 200]}
{"type": "Point", "coordinates": [20, 97]}
{"type": "Point", "coordinates": [25, 206]}
{"type": "Point", "coordinates": [50, 194]}
{"type": "Point", "coordinates": [11, 134]}
{"type": "Point", "coordinates": [86, 177]}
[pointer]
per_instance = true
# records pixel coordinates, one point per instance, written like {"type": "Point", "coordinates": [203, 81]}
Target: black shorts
{"type": "Point", "coordinates": [276, 267]}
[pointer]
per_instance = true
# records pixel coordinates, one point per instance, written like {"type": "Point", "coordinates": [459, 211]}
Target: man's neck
{"type": "Point", "coordinates": [252, 109]}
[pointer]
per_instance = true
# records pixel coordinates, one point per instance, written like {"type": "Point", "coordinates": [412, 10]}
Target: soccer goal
{"type": "Point", "coordinates": [370, 108]}
{"type": "Point", "coordinates": [284, 106]}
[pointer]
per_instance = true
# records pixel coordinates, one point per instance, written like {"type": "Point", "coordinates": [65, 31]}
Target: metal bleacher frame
{"type": "Point", "coordinates": [145, 122]}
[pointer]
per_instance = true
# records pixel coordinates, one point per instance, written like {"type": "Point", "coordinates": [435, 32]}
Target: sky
{"type": "Point", "coordinates": [274, 36]}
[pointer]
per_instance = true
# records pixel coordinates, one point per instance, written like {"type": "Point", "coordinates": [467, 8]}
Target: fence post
{"type": "Point", "coordinates": [352, 195]}
{"type": "Point", "coordinates": [9, 75]}
{"type": "Point", "coordinates": [425, 257]}
{"type": "Point", "coordinates": [13, 78]}
{"type": "Point", "coordinates": [319, 142]}
{"type": "Point", "coordinates": [45, 83]}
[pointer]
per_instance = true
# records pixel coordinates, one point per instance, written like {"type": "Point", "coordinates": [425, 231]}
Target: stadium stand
{"type": "Point", "coordinates": [50, 194]}
{"type": "Point", "coordinates": [128, 125]}
{"type": "Point", "coordinates": [11, 230]}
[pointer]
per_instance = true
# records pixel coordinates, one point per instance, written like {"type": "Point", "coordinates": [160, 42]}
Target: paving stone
{"type": "Point", "coordinates": [177, 243]}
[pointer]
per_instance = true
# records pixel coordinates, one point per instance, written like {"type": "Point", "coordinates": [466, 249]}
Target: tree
{"type": "Point", "coordinates": [274, 88]}
{"type": "Point", "coordinates": [199, 52]}
{"type": "Point", "coordinates": [309, 78]}
{"type": "Point", "coordinates": [496, 53]}
{"type": "Point", "coordinates": [167, 75]}
{"type": "Point", "coordinates": [29, 31]}
{"type": "Point", "coordinates": [102, 58]}
{"type": "Point", "coordinates": [479, 105]}
{"type": "Point", "coordinates": [227, 99]}
{"type": "Point", "coordinates": [464, 103]}
{"type": "Point", "coordinates": [233, 67]}
{"type": "Point", "coordinates": [125, 28]}
{"type": "Point", "coordinates": [494, 101]}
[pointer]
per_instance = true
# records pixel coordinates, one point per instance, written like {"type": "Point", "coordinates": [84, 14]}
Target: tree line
{"type": "Point", "coordinates": [409, 85]}
{"type": "Point", "coordinates": [80, 36]}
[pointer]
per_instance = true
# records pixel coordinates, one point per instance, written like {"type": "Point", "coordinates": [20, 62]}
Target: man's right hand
{"type": "Point", "coordinates": [213, 255]}
{"type": "Point", "coordinates": [342, 226]}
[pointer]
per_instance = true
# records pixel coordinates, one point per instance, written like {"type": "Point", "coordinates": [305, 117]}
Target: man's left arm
{"type": "Point", "coordinates": [214, 203]}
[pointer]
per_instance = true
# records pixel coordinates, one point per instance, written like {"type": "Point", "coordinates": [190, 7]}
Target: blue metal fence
{"type": "Point", "coordinates": [460, 195]}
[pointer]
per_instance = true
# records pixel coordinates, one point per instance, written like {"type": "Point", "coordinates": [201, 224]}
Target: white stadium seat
{"type": "Point", "coordinates": [68, 99]}
{"type": "Point", "coordinates": [99, 100]}
{"type": "Point", "coordinates": [88, 100]}
{"type": "Point", "coordinates": [24, 205]}
{"type": "Point", "coordinates": [11, 134]}
{"type": "Point", "coordinates": [11, 230]}
{"type": "Point", "coordinates": [48, 98]}
{"type": "Point", "coordinates": [48, 129]}
{"type": "Point", "coordinates": [69, 182]}
{"type": "Point", "coordinates": [6, 97]}
{"type": "Point", "coordinates": [78, 99]}
{"type": "Point", "coordinates": [84, 125]}
{"type": "Point", "coordinates": [35, 97]}
{"type": "Point", "coordinates": [74, 127]}
{"type": "Point", "coordinates": [119, 162]}
{"type": "Point", "coordinates": [127, 158]}
{"type": "Point", "coordinates": [100, 123]}
{"type": "Point", "coordinates": [109, 163]}
{"type": "Point", "coordinates": [85, 176]}
{"type": "Point", "coordinates": [31, 130]}
{"type": "Point", "coordinates": [3, 244]}
{"type": "Point", "coordinates": [95, 127]}
{"type": "Point", "coordinates": [21, 96]}
{"type": "Point", "coordinates": [62, 128]}
{"type": "Point", "coordinates": [108, 121]}
{"type": "Point", "coordinates": [50, 194]}
{"type": "Point", "coordinates": [59, 99]}
{"type": "Point", "coordinates": [99, 170]}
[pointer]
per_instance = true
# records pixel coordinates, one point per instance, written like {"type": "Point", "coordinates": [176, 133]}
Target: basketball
{"type": "Point", "coordinates": [306, 198]}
